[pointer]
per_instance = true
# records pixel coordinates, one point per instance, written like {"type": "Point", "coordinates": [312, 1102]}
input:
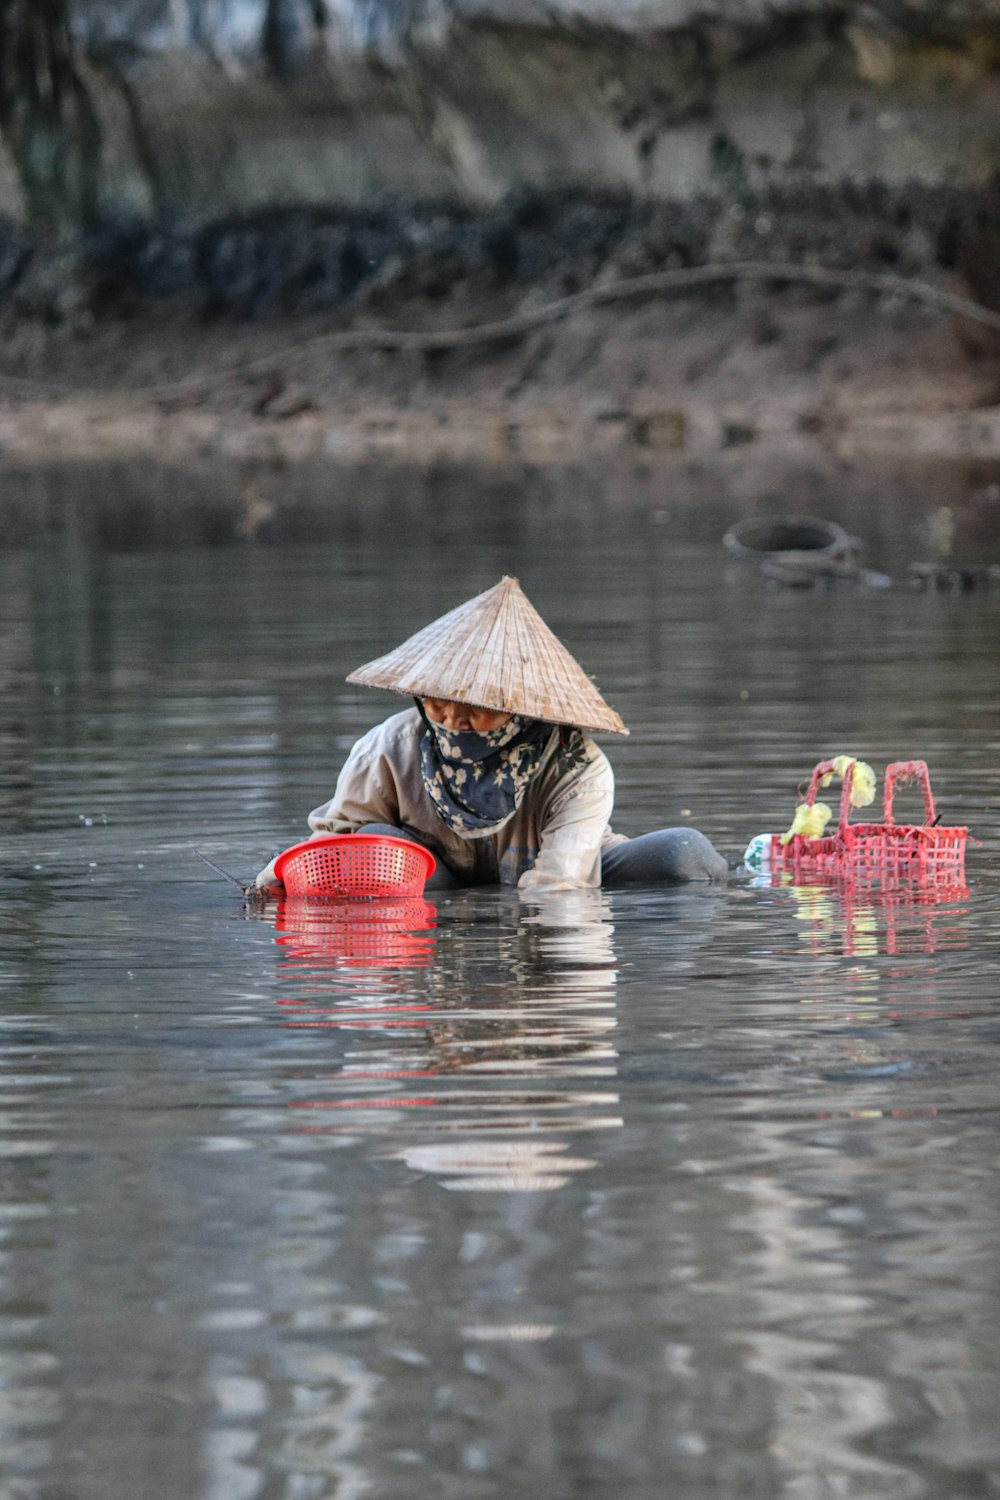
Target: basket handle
{"type": "Point", "coordinates": [826, 768]}
{"type": "Point", "coordinates": [909, 770]}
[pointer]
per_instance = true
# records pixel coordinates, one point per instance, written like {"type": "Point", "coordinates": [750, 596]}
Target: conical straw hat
{"type": "Point", "coordinates": [495, 651]}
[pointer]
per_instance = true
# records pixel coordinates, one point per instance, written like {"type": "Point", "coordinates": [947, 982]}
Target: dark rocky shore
{"type": "Point", "coordinates": [292, 262]}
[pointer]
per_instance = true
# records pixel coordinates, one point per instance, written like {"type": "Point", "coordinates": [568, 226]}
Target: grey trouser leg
{"type": "Point", "coordinates": [442, 879]}
{"type": "Point", "coordinates": [669, 856]}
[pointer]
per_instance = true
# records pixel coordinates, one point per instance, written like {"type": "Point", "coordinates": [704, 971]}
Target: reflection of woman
{"type": "Point", "coordinates": [493, 769]}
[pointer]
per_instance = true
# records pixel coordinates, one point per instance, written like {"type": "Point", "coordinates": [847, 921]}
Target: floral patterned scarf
{"type": "Point", "coordinates": [477, 781]}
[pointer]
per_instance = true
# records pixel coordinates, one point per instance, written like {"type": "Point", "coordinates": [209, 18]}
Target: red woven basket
{"type": "Point", "coordinates": [353, 865]}
{"type": "Point", "coordinates": [877, 849]}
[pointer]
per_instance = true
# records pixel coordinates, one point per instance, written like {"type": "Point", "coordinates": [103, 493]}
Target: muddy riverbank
{"type": "Point", "coordinates": [225, 343]}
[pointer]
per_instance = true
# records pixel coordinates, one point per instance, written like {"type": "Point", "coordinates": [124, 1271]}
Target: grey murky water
{"type": "Point", "coordinates": [677, 1192]}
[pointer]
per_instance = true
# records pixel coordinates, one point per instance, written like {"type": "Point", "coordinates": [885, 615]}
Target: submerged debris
{"type": "Point", "coordinates": [954, 578]}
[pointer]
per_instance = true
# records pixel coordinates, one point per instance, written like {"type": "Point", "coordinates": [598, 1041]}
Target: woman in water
{"type": "Point", "coordinates": [493, 770]}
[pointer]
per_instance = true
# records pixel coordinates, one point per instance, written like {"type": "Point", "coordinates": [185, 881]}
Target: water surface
{"type": "Point", "coordinates": [686, 1192]}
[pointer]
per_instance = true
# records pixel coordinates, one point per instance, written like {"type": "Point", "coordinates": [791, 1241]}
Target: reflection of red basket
{"type": "Point", "coordinates": [355, 865]}
{"type": "Point", "coordinates": [877, 849]}
{"type": "Point", "coordinates": [879, 913]}
{"type": "Point", "coordinates": [357, 934]}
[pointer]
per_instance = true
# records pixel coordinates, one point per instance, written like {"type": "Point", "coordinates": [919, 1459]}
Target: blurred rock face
{"type": "Point", "coordinates": [210, 107]}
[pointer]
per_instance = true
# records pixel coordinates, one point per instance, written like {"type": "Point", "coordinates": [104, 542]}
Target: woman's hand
{"type": "Point", "coordinates": [268, 884]}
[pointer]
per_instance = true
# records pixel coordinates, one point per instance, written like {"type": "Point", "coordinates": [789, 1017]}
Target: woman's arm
{"type": "Point", "coordinates": [573, 830]}
{"type": "Point", "coordinates": [364, 794]}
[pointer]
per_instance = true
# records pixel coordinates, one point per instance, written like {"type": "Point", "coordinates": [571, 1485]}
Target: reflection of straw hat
{"type": "Point", "coordinates": [495, 651]}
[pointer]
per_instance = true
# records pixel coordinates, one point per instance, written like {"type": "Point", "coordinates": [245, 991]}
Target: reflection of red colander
{"type": "Point", "coordinates": [357, 934]}
{"type": "Point", "coordinates": [355, 865]}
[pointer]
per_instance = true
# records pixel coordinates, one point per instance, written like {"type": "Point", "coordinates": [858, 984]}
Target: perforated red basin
{"type": "Point", "coordinates": [355, 865]}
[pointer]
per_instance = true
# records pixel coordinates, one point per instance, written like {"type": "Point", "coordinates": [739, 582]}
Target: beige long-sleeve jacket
{"type": "Point", "coordinates": [554, 840]}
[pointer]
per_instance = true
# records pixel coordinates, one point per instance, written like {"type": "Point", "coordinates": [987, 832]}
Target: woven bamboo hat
{"type": "Point", "coordinates": [495, 651]}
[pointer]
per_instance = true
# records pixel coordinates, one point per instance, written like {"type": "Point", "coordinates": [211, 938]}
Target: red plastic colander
{"type": "Point", "coordinates": [355, 865]}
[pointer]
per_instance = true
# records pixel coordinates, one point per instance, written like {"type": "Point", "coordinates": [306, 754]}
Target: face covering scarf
{"type": "Point", "coordinates": [477, 781]}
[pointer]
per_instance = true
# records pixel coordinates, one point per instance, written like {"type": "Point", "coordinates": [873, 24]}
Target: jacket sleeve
{"type": "Point", "coordinates": [573, 831]}
{"type": "Point", "coordinates": [365, 793]}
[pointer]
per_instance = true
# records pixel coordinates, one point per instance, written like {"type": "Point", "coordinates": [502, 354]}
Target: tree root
{"type": "Point", "coordinates": [686, 279]}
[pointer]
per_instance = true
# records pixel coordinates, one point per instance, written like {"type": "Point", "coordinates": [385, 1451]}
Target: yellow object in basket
{"type": "Point", "coordinates": [809, 821]}
{"type": "Point", "coordinates": [862, 782]}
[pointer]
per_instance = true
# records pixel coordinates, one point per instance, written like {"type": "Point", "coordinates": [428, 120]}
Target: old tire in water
{"type": "Point", "coordinates": [802, 539]}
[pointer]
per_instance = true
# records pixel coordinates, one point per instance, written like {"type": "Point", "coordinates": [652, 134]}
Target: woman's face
{"type": "Point", "coordinates": [460, 717]}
